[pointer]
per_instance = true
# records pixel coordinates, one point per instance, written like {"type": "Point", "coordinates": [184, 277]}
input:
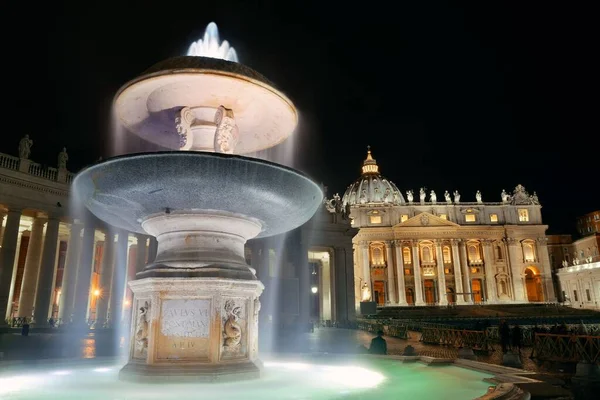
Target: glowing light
{"type": "Point", "coordinates": [354, 377]}
{"type": "Point", "coordinates": [314, 289]}
{"type": "Point", "coordinates": [61, 372]}
{"type": "Point", "coordinates": [96, 292]}
{"type": "Point", "coordinates": [102, 369]}
{"type": "Point", "coordinates": [126, 302]}
{"type": "Point", "coordinates": [209, 46]}
{"type": "Point", "coordinates": [17, 383]}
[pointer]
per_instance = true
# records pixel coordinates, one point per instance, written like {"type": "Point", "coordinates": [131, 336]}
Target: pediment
{"type": "Point", "coordinates": [425, 219]}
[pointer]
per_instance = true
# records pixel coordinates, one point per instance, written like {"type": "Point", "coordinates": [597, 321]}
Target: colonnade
{"type": "Point", "coordinates": [450, 273]}
{"type": "Point", "coordinates": [90, 277]}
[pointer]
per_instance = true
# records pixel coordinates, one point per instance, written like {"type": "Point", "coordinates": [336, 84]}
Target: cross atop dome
{"type": "Point", "coordinates": [370, 165]}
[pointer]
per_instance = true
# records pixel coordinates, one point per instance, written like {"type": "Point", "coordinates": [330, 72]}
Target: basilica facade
{"type": "Point", "coordinates": [418, 249]}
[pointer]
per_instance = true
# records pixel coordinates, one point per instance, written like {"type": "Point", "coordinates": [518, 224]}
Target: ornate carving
{"type": "Point", "coordinates": [25, 147]}
{"type": "Point", "coordinates": [410, 196]}
{"type": "Point", "coordinates": [63, 157]}
{"type": "Point", "coordinates": [424, 220]}
{"type": "Point", "coordinates": [505, 197]}
{"type": "Point", "coordinates": [542, 240]}
{"type": "Point", "coordinates": [255, 325]}
{"type": "Point", "coordinates": [509, 240]}
{"type": "Point", "coordinates": [142, 330]}
{"type": "Point", "coordinates": [232, 331]}
{"type": "Point", "coordinates": [183, 125]}
{"type": "Point", "coordinates": [227, 133]}
{"type": "Point", "coordinates": [521, 197]}
{"type": "Point", "coordinates": [334, 205]}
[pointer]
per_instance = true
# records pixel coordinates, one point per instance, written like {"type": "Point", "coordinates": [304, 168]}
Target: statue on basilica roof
{"type": "Point", "coordinates": [433, 197]}
{"type": "Point", "coordinates": [422, 195]}
{"type": "Point", "coordinates": [505, 196]}
{"type": "Point", "coordinates": [478, 197]}
{"type": "Point", "coordinates": [410, 196]}
{"type": "Point", "coordinates": [63, 157]}
{"type": "Point", "coordinates": [456, 197]}
{"type": "Point", "coordinates": [447, 197]}
{"type": "Point", "coordinates": [25, 147]}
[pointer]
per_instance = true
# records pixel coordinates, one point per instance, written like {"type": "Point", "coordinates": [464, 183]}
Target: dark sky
{"type": "Point", "coordinates": [468, 96]}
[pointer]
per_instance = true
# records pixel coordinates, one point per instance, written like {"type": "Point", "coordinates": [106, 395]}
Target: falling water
{"type": "Point", "coordinates": [209, 46]}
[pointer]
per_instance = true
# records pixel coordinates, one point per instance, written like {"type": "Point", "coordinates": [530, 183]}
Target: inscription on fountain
{"type": "Point", "coordinates": [186, 318]}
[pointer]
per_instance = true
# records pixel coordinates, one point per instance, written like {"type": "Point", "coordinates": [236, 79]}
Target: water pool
{"type": "Point", "coordinates": [315, 379]}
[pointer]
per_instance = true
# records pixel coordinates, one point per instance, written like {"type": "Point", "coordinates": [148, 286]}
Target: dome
{"type": "Point", "coordinates": [372, 188]}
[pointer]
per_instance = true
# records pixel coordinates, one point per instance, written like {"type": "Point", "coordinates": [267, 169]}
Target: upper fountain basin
{"type": "Point", "coordinates": [125, 190]}
{"type": "Point", "coordinates": [149, 104]}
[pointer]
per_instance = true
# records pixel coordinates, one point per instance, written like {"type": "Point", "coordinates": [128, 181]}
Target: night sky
{"type": "Point", "coordinates": [468, 97]}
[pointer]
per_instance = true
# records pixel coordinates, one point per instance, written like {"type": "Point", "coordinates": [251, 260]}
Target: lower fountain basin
{"type": "Point", "coordinates": [124, 191]}
{"type": "Point", "coordinates": [319, 378]}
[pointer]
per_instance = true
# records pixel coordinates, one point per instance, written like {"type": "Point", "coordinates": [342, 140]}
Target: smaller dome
{"type": "Point", "coordinates": [371, 187]}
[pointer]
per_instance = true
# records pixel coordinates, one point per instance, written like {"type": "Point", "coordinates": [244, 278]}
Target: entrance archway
{"type": "Point", "coordinates": [429, 291]}
{"type": "Point", "coordinates": [533, 283]}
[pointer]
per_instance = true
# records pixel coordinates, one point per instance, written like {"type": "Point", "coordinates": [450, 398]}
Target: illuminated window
{"type": "Point", "coordinates": [406, 255]}
{"type": "Point", "coordinates": [470, 217]}
{"type": "Point", "coordinates": [443, 216]}
{"type": "Point", "coordinates": [403, 217]}
{"type": "Point", "coordinates": [473, 252]}
{"type": "Point", "coordinates": [375, 219]}
{"type": "Point", "coordinates": [523, 215]}
{"type": "Point", "coordinates": [447, 270]}
{"type": "Point", "coordinates": [528, 252]}
{"type": "Point", "coordinates": [493, 217]}
{"type": "Point", "coordinates": [406, 271]}
{"type": "Point", "coordinates": [377, 257]}
{"type": "Point", "coordinates": [446, 253]}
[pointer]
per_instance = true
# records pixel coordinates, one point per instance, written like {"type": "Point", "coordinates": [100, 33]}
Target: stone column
{"type": "Point", "coordinates": [460, 298]}
{"type": "Point", "coordinates": [43, 299]}
{"type": "Point", "coordinates": [106, 277]}
{"type": "Point", "coordinates": [341, 288]}
{"type": "Point", "coordinates": [32, 268]}
{"type": "Point", "coordinates": [304, 280]}
{"type": "Point", "coordinates": [152, 247]}
{"type": "Point", "coordinates": [117, 291]}
{"type": "Point", "coordinates": [546, 270]}
{"type": "Point", "coordinates": [490, 276]}
{"type": "Point", "coordinates": [67, 290]}
{"type": "Point", "coordinates": [84, 277]}
{"type": "Point", "coordinates": [366, 266]}
{"type": "Point", "coordinates": [418, 277]}
{"type": "Point", "coordinates": [391, 286]}
{"type": "Point", "coordinates": [350, 284]}
{"type": "Point", "coordinates": [514, 254]}
{"type": "Point", "coordinates": [400, 273]}
{"type": "Point", "coordinates": [462, 245]}
{"type": "Point", "coordinates": [7, 261]}
{"type": "Point", "coordinates": [140, 253]}
{"type": "Point", "coordinates": [443, 298]}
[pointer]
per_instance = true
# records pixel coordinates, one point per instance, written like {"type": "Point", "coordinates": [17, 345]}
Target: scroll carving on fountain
{"type": "Point", "coordinates": [197, 303]}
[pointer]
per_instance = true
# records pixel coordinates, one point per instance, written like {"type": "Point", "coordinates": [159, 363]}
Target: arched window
{"type": "Point", "coordinates": [377, 254]}
{"type": "Point", "coordinates": [447, 256]}
{"type": "Point", "coordinates": [426, 253]}
{"type": "Point", "coordinates": [406, 255]}
{"type": "Point", "coordinates": [528, 251]}
{"type": "Point", "coordinates": [473, 253]}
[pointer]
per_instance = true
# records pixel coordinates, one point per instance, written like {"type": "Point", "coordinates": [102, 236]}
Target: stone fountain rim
{"type": "Point", "coordinates": [204, 65]}
{"type": "Point", "coordinates": [184, 153]}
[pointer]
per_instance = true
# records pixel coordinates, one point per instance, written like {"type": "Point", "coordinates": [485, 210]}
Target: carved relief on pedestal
{"type": "Point", "coordinates": [234, 317]}
{"type": "Point", "coordinates": [255, 327]}
{"type": "Point", "coordinates": [142, 329]}
{"type": "Point", "coordinates": [183, 125]}
{"type": "Point", "coordinates": [227, 134]}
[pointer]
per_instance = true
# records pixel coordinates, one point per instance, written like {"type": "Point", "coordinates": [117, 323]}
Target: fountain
{"type": "Point", "coordinates": [196, 306]}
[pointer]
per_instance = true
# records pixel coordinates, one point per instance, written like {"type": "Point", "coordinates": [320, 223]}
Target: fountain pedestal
{"type": "Point", "coordinates": [194, 329]}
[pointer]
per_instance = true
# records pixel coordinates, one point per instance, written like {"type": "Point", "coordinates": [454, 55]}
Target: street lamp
{"type": "Point", "coordinates": [314, 289]}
